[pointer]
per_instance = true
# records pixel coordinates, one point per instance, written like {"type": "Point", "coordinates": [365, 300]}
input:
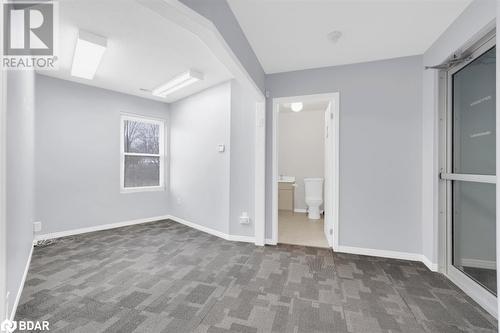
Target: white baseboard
{"type": "Point", "coordinates": [478, 263]}
{"type": "Point", "coordinates": [430, 265]}
{"type": "Point", "coordinates": [98, 228]}
{"type": "Point", "coordinates": [234, 238]}
{"type": "Point", "coordinates": [269, 241]}
{"type": "Point", "coordinates": [389, 254]}
{"type": "Point", "coordinates": [21, 286]}
{"type": "Point", "coordinates": [300, 210]}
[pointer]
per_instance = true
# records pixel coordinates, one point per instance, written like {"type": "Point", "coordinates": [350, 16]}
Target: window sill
{"type": "Point", "coordinates": [142, 189]}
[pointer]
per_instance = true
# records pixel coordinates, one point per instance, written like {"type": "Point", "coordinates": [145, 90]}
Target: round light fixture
{"type": "Point", "coordinates": [297, 106]}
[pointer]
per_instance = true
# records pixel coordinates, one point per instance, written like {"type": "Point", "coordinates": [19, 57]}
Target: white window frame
{"type": "Point", "coordinates": [161, 153]}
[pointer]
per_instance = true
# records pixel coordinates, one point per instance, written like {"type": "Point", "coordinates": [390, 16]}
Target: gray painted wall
{"type": "Point", "coordinates": [20, 176]}
{"type": "Point", "coordinates": [242, 160]}
{"type": "Point", "coordinates": [78, 157]}
{"type": "Point", "coordinates": [199, 174]}
{"type": "Point", "coordinates": [475, 20]}
{"type": "Point", "coordinates": [380, 148]}
{"type": "Point", "coordinates": [301, 148]}
{"type": "Point", "coordinates": [221, 15]}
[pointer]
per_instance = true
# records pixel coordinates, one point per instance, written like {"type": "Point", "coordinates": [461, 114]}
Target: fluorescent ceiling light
{"type": "Point", "coordinates": [178, 82]}
{"type": "Point", "coordinates": [89, 50]}
{"type": "Point", "coordinates": [297, 107]}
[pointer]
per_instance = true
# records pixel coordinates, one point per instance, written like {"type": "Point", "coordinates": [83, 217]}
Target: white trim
{"type": "Point", "coordinates": [260, 174]}
{"type": "Point", "coordinates": [161, 152]}
{"type": "Point", "coordinates": [478, 263]}
{"type": "Point", "coordinates": [430, 265]}
{"type": "Point", "coordinates": [482, 296]}
{"type": "Point", "coordinates": [388, 254]}
{"type": "Point", "coordinates": [334, 99]}
{"type": "Point", "coordinates": [300, 210]}
{"type": "Point", "coordinates": [269, 241]}
{"type": "Point", "coordinates": [235, 238]}
{"type": "Point", "coordinates": [72, 232]}
{"type": "Point", "coordinates": [21, 286]}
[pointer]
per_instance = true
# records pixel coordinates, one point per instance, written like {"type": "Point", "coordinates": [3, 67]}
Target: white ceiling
{"type": "Point", "coordinates": [291, 35]}
{"type": "Point", "coordinates": [144, 49]}
{"type": "Point", "coordinates": [308, 106]}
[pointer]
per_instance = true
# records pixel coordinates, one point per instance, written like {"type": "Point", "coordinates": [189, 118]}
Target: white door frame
{"type": "Point", "coordinates": [260, 174]}
{"type": "Point", "coordinates": [334, 99]}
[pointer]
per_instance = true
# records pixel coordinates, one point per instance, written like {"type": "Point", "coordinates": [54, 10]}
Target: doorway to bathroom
{"type": "Point", "coordinates": [305, 170]}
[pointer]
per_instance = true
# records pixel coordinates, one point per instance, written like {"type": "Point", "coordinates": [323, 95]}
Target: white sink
{"type": "Point", "coordinates": [286, 179]}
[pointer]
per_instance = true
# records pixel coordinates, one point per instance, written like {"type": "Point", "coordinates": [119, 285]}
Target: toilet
{"type": "Point", "coordinates": [314, 196]}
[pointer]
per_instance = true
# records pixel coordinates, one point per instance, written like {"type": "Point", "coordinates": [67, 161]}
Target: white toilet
{"type": "Point", "coordinates": [314, 196]}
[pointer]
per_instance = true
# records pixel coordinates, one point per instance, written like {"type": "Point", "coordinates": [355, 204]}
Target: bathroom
{"type": "Point", "coordinates": [302, 137]}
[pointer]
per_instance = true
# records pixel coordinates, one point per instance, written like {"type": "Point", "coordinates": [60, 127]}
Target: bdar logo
{"type": "Point", "coordinates": [8, 326]}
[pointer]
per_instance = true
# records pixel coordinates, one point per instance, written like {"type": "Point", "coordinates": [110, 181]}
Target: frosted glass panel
{"type": "Point", "coordinates": [142, 171]}
{"type": "Point", "coordinates": [474, 117]}
{"type": "Point", "coordinates": [474, 211]}
{"type": "Point", "coordinates": [474, 250]}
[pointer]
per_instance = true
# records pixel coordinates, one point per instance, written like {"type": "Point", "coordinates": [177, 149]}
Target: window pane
{"type": "Point", "coordinates": [474, 116]}
{"type": "Point", "coordinates": [474, 231]}
{"type": "Point", "coordinates": [141, 137]}
{"type": "Point", "coordinates": [142, 171]}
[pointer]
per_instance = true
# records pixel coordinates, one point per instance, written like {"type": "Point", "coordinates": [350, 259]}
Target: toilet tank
{"type": "Point", "coordinates": [313, 188]}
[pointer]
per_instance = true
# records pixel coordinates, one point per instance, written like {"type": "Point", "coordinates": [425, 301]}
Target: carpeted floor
{"type": "Point", "coordinates": [165, 277]}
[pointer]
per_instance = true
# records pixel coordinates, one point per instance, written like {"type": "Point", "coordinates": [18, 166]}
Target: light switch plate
{"type": "Point", "coordinates": [37, 226]}
{"type": "Point", "coordinates": [221, 148]}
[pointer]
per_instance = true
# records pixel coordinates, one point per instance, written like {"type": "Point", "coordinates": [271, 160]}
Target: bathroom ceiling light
{"type": "Point", "coordinates": [89, 50]}
{"type": "Point", "coordinates": [178, 82]}
{"type": "Point", "coordinates": [297, 106]}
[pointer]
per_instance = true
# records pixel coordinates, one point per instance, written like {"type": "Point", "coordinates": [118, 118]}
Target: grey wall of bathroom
{"type": "Point", "coordinates": [199, 174]}
{"type": "Point", "coordinates": [20, 211]}
{"type": "Point", "coordinates": [380, 147]}
{"type": "Point", "coordinates": [301, 150]}
{"type": "Point", "coordinates": [78, 157]}
{"type": "Point", "coordinates": [221, 15]}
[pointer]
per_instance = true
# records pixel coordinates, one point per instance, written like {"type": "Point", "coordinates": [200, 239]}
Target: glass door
{"type": "Point", "coordinates": [471, 174]}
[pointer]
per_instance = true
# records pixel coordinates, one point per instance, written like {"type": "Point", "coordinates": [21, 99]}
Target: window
{"type": "Point", "coordinates": [142, 154]}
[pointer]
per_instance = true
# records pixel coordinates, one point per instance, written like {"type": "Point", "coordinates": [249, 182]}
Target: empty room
{"type": "Point", "coordinates": [249, 166]}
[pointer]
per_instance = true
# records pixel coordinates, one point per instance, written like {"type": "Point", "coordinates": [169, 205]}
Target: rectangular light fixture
{"type": "Point", "coordinates": [178, 82]}
{"type": "Point", "coordinates": [89, 50]}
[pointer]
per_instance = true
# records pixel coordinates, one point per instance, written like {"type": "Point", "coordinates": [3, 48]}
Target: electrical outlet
{"type": "Point", "coordinates": [179, 200]}
{"type": "Point", "coordinates": [244, 218]}
{"type": "Point", "coordinates": [37, 226]}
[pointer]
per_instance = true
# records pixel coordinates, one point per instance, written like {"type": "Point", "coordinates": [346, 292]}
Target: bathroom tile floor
{"type": "Point", "coordinates": [297, 229]}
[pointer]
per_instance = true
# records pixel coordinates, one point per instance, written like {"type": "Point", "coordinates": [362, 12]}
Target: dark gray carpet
{"type": "Point", "coordinates": [165, 277]}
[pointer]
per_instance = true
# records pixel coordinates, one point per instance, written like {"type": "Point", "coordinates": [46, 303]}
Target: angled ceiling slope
{"type": "Point", "coordinates": [144, 49]}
